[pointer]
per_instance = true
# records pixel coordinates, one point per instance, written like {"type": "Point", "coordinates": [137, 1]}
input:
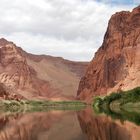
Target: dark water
{"type": "Point", "coordinates": [66, 125]}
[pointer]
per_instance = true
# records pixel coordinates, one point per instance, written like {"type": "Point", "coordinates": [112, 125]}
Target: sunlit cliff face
{"type": "Point", "coordinates": [116, 64]}
{"type": "Point", "coordinates": [38, 76]}
{"type": "Point", "coordinates": [14, 71]}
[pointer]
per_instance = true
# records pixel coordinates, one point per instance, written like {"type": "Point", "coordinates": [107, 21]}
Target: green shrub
{"type": "Point", "coordinates": [97, 101]}
{"type": "Point", "coordinates": [122, 97]}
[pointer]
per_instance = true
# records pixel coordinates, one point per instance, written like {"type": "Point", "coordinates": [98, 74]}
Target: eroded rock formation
{"type": "Point", "coordinates": [14, 71]}
{"type": "Point", "coordinates": [116, 65]}
{"type": "Point", "coordinates": [38, 76]}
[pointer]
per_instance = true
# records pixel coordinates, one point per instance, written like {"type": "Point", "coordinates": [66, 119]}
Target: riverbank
{"type": "Point", "coordinates": [30, 105]}
{"type": "Point", "coordinates": [121, 99]}
{"type": "Point", "coordinates": [124, 105]}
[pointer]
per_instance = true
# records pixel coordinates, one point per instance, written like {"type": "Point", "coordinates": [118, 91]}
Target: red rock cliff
{"type": "Point", "coordinates": [116, 65]}
{"type": "Point", "coordinates": [14, 71]}
{"type": "Point", "coordinates": [24, 75]}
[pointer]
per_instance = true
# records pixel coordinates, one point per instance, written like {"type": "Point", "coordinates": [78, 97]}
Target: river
{"type": "Point", "coordinates": [66, 125]}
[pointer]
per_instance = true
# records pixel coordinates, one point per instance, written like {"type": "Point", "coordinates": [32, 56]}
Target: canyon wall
{"type": "Point", "coordinates": [116, 64]}
{"type": "Point", "coordinates": [24, 75]}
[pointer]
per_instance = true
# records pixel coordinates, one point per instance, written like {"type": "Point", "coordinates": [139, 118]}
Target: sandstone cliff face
{"type": "Point", "coordinates": [14, 71]}
{"type": "Point", "coordinates": [116, 65]}
{"type": "Point", "coordinates": [37, 76]}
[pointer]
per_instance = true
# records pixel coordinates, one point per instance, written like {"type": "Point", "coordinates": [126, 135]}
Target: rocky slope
{"type": "Point", "coordinates": [116, 65]}
{"type": "Point", "coordinates": [38, 76]}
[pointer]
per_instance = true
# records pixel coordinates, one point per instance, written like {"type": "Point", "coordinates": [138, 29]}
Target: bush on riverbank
{"type": "Point", "coordinates": [123, 105]}
{"type": "Point", "coordinates": [122, 98]}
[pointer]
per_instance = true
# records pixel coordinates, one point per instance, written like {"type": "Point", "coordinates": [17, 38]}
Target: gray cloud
{"type": "Point", "coordinates": [72, 29]}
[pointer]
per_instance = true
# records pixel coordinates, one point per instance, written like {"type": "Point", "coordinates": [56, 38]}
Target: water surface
{"type": "Point", "coordinates": [66, 125]}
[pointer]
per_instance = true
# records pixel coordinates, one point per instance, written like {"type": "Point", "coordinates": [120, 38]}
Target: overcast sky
{"type": "Point", "coordinates": [72, 29]}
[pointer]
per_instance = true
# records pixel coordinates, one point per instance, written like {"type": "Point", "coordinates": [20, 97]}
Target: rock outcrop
{"type": "Point", "coordinates": [116, 65]}
{"type": "Point", "coordinates": [7, 94]}
{"type": "Point", "coordinates": [37, 76]}
{"type": "Point", "coordinates": [14, 71]}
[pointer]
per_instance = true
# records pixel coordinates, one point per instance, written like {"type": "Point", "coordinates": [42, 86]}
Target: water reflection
{"type": "Point", "coordinates": [25, 126]}
{"type": "Point", "coordinates": [101, 127]}
{"type": "Point", "coordinates": [131, 115]}
{"type": "Point", "coordinates": [119, 125]}
{"type": "Point", "coordinates": [52, 125]}
{"type": "Point", "coordinates": [66, 125]}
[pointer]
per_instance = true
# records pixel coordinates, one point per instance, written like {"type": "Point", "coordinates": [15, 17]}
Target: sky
{"type": "Point", "coordinates": [72, 29]}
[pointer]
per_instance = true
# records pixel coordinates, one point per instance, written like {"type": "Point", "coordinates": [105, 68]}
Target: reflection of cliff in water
{"type": "Point", "coordinates": [52, 125]}
{"type": "Point", "coordinates": [66, 125]}
{"type": "Point", "coordinates": [101, 127]}
{"type": "Point", "coordinates": [32, 126]}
